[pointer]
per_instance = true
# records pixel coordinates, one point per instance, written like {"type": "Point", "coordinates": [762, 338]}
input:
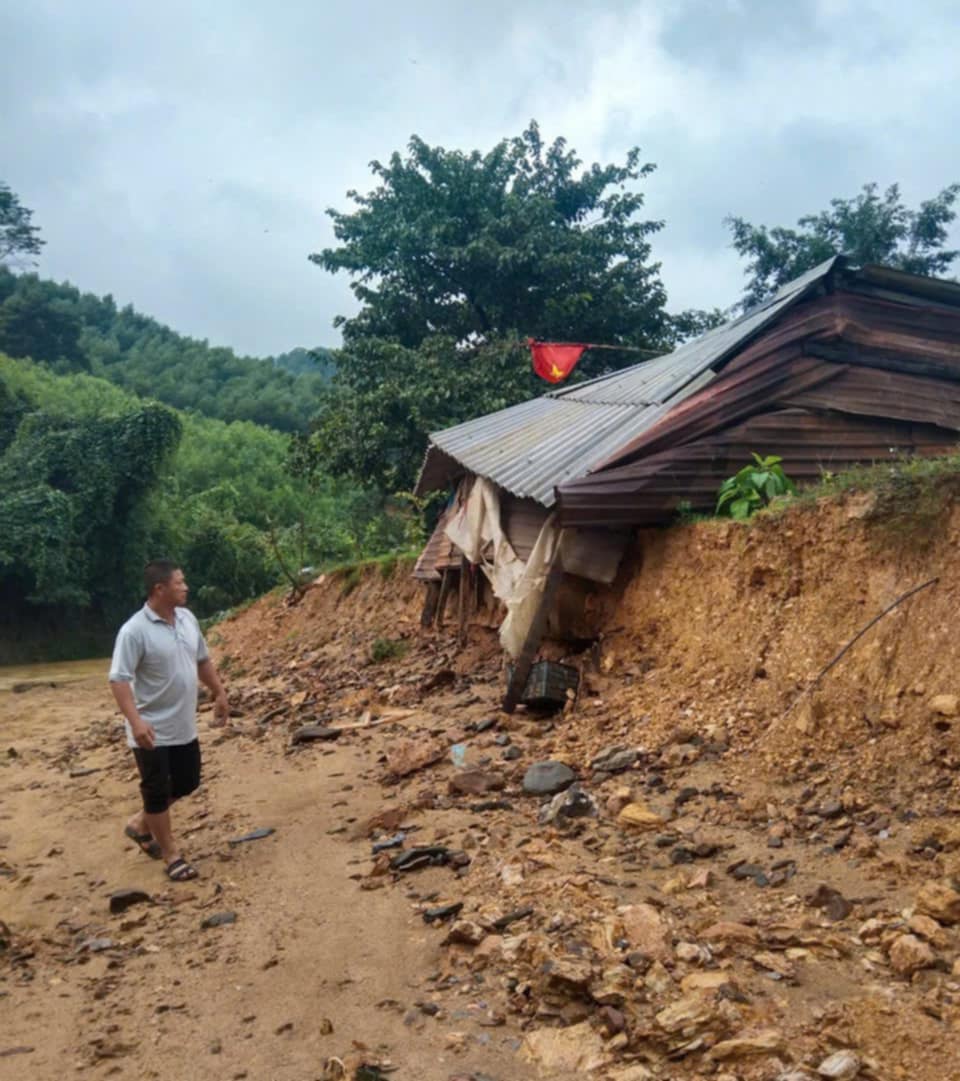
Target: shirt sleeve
{"type": "Point", "coordinates": [127, 654]}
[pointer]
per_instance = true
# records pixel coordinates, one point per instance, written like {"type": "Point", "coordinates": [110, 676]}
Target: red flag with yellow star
{"type": "Point", "coordinates": [554, 361]}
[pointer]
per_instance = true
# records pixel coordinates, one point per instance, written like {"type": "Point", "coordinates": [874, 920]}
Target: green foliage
{"type": "Point", "coordinates": [871, 228]}
{"type": "Point", "coordinates": [91, 487]}
{"type": "Point", "coordinates": [388, 649]}
{"type": "Point", "coordinates": [753, 488]}
{"type": "Point", "coordinates": [456, 258]}
{"type": "Point", "coordinates": [34, 325]}
{"type": "Point", "coordinates": [519, 238]}
{"type": "Point", "coordinates": [72, 497]}
{"type": "Point", "coordinates": [71, 331]}
{"type": "Point", "coordinates": [18, 238]}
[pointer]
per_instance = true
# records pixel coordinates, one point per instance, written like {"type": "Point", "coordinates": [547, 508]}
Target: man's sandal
{"type": "Point", "coordinates": [180, 871]}
{"type": "Point", "coordinates": [144, 841]}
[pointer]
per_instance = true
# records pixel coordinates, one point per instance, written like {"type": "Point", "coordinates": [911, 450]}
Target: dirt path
{"type": "Point", "coordinates": [167, 999]}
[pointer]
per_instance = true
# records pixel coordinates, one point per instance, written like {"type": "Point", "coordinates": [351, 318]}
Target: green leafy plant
{"type": "Point", "coordinates": [387, 649]}
{"type": "Point", "coordinates": [753, 487]}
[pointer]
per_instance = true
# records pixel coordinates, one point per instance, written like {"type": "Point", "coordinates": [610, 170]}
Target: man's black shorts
{"type": "Point", "coordinates": [167, 773]}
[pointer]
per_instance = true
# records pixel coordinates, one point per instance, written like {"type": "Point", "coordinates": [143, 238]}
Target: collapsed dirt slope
{"type": "Point", "coordinates": [837, 808]}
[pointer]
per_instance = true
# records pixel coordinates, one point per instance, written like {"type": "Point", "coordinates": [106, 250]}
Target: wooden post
{"type": "Point", "coordinates": [444, 593]}
{"type": "Point", "coordinates": [430, 604]}
{"type": "Point", "coordinates": [524, 662]}
{"type": "Point", "coordinates": [463, 608]}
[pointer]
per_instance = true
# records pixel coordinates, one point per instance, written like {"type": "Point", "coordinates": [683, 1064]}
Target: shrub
{"type": "Point", "coordinates": [753, 488]}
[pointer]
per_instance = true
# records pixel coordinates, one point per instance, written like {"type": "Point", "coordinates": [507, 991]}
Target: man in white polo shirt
{"type": "Point", "coordinates": [158, 657]}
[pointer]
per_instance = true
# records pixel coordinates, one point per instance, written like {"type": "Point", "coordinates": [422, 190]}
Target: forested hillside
{"type": "Point", "coordinates": [69, 331]}
{"type": "Point", "coordinates": [95, 480]}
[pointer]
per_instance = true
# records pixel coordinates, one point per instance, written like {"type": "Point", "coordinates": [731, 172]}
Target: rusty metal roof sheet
{"type": "Point", "coordinates": [532, 447]}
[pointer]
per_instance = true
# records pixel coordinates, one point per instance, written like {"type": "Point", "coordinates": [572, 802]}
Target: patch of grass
{"type": "Point", "coordinates": [911, 494]}
{"type": "Point", "coordinates": [388, 649]}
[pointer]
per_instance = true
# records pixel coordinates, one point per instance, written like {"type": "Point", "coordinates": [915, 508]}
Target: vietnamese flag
{"type": "Point", "coordinates": [554, 361]}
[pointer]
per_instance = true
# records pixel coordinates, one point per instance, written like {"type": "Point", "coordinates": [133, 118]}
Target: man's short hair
{"type": "Point", "coordinates": [158, 572]}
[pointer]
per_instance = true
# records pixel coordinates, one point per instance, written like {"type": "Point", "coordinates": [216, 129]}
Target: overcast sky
{"type": "Point", "coordinates": [181, 156]}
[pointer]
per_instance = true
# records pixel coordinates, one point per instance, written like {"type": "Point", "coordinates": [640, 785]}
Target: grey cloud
{"type": "Point", "coordinates": [183, 158]}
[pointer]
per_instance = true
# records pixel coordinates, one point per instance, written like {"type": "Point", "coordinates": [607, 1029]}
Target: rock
{"type": "Point", "coordinates": [614, 760]}
{"type": "Point", "coordinates": [658, 980]}
{"type": "Point", "coordinates": [95, 945]}
{"type": "Point", "coordinates": [219, 919]}
{"type": "Point", "coordinates": [701, 880]}
{"type": "Point", "coordinates": [639, 816]}
{"type": "Point", "coordinates": [121, 900]}
{"type": "Point", "coordinates": [711, 980]}
{"type": "Point", "coordinates": [573, 803]}
{"type": "Point", "coordinates": [253, 835]}
{"type": "Point", "coordinates": [633, 1073]}
{"type": "Point", "coordinates": [511, 754]}
{"type": "Point", "coordinates": [840, 1066]}
{"type": "Point", "coordinates": [396, 841]}
{"type": "Point", "coordinates": [441, 913]}
{"type": "Point", "coordinates": [831, 808]}
{"type": "Point", "coordinates": [939, 900]}
{"type": "Point", "coordinates": [420, 856]}
{"type": "Point", "coordinates": [646, 931]}
{"type": "Point", "coordinates": [410, 758]}
{"type": "Point", "coordinates": [474, 782]}
{"type": "Point", "coordinates": [569, 974]}
{"type": "Point", "coordinates": [689, 1014]}
{"type": "Point", "coordinates": [763, 1043]}
{"type": "Point", "coordinates": [511, 874]}
{"type": "Point", "coordinates": [908, 954]}
{"type": "Point", "coordinates": [613, 1020]}
{"type": "Point", "coordinates": [928, 928]}
{"type": "Point", "coordinates": [571, 1049]}
{"type": "Point", "coordinates": [509, 918]}
{"type": "Point", "coordinates": [945, 705]}
{"type": "Point", "coordinates": [832, 903]}
{"type": "Point", "coordinates": [311, 733]}
{"type": "Point", "coordinates": [614, 987]}
{"type": "Point", "coordinates": [680, 754]}
{"type": "Point", "coordinates": [727, 931]}
{"type": "Point", "coordinates": [465, 933]}
{"type": "Point", "coordinates": [743, 871]}
{"type": "Point", "coordinates": [547, 778]}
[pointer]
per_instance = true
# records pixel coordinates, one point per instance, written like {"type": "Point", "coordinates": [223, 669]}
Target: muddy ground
{"type": "Point", "coordinates": [732, 891]}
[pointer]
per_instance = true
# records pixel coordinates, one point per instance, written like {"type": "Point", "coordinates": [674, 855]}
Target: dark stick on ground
{"type": "Point", "coordinates": [856, 638]}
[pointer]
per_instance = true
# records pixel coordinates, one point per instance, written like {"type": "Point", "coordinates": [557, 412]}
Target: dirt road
{"type": "Point", "coordinates": [148, 993]}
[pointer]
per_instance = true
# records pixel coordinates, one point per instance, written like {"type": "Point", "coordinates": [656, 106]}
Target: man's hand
{"type": "Point", "coordinates": [221, 708]}
{"type": "Point", "coordinates": [143, 734]}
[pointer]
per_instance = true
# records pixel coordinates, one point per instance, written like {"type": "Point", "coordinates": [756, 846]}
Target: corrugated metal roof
{"type": "Point", "coordinates": [532, 447]}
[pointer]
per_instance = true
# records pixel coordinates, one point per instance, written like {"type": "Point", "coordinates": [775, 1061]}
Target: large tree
{"type": "Point", "coordinates": [18, 238]}
{"type": "Point", "coordinates": [456, 258]}
{"type": "Point", "coordinates": [870, 228]}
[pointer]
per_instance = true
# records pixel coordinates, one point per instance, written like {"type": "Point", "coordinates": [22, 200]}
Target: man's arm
{"type": "Point", "coordinates": [143, 733]}
{"type": "Point", "coordinates": [207, 672]}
